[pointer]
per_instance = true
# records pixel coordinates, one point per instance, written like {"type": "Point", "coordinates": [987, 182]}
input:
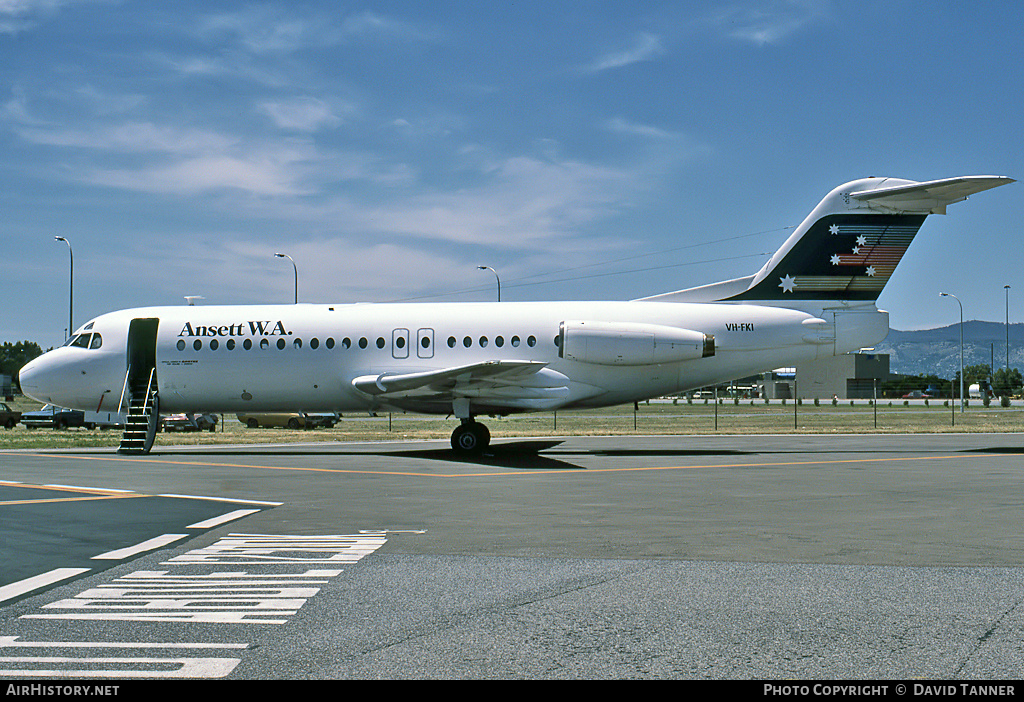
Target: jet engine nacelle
{"type": "Point", "coordinates": [631, 344]}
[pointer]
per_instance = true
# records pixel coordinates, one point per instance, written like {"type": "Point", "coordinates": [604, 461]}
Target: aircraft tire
{"type": "Point", "coordinates": [470, 438]}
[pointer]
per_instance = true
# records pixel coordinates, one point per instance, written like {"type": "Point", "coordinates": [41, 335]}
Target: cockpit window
{"type": "Point", "coordinates": [85, 341]}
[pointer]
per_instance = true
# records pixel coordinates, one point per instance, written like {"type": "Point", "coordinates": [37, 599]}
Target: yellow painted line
{"type": "Point", "coordinates": [68, 499]}
{"type": "Point", "coordinates": [91, 494]}
{"type": "Point", "coordinates": [525, 471]}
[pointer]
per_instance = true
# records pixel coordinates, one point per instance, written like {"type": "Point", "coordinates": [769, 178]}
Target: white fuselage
{"type": "Point", "coordinates": [304, 357]}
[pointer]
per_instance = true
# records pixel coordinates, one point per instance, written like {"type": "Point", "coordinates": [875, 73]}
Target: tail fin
{"type": "Point", "coordinates": [848, 247]}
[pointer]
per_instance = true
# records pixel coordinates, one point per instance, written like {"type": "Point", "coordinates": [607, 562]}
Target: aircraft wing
{"type": "Point", "coordinates": [929, 197]}
{"type": "Point", "coordinates": [496, 385]}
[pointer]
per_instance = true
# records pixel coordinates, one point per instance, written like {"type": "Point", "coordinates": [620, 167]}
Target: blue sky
{"type": "Point", "coordinates": [602, 150]}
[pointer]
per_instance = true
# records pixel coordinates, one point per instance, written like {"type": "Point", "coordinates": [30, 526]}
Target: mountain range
{"type": "Point", "coordinates": [927, 351]}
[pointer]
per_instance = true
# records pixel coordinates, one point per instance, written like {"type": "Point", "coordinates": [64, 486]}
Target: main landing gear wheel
{"type": "Point", "coordinates": [470, 437]}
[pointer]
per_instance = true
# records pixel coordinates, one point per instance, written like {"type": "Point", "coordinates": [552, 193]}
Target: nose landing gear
{"type": "Point", "coordinates": [470, 437]}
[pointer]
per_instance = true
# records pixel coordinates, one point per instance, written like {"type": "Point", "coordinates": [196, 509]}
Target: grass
{"type": "Point", "coordinates": [745, 417]}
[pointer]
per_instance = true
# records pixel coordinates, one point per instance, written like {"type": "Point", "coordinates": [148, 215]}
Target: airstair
{"type": "Point", "coordinates": [143, 416]}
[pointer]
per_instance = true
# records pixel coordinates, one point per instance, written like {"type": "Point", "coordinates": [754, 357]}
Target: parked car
{"type": "Point", "coordinates": [916, 395]}
{"type": "Point", "coordinates": [53, 417]}
{"type": "Point", "coordinates": [185, 422]}
{"type": "Point", "coordinates": [291, 420]}
{"type": "Point", "coordinates": [62, 418]}
{"type": "Point", "coordinates": [8, 417]}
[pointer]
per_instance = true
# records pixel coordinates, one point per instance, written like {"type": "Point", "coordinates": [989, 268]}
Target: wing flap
{"type": "Point", "coordinates": [491, 380]}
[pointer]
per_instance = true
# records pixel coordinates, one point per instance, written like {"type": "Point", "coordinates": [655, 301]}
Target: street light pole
{"type": "Point", "coordinates": [296, 269]}
{"type": "Point", "coordinates": [71, 287]}
{"type": "Point", "coordinates": [942, 294]}
{"type": "Point", "coordinates": [1007, 289]}
{"type": "Point", "coordinates": [488, 268]}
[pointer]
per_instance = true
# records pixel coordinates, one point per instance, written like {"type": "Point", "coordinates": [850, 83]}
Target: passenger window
{"type": "Point", "coordinates": [298, 343]}
{"type": "Point", "coordinates": [264, 344]}
{"type": "Point", "coordinates": [231, 344]}
{"type": "Point", "coordinates": [281, 344]}
{"type": "Point", "coordinates": [346, 343]}
{"type": "Point", "coordinates": [197, 344]}
{"type": "Point", "coordinates": [181, 344]}
{"type": "Point", "coordinates": [499, 341]}
{"type": "Point", "coordinates": [380, 342]}
{"type": "Point", "coordinates": [247, 344]}
{"type": "Point", "coordinates": [214, 345]}
{"type": "Point", "coordinates": [467, 342]}
{"type": "Point", "coordinates": [362, 342]}
{"type": "Point", "coordinates": [531, 341]}
{"type": "Point", "coordinates": [483, 341]}
{"type": "Point", "coordinates": [451, 342]}
{"type": "Point", "coordinates": [330, 342]}
{"type": "Point", "coordinates": [314, 343]}
{"type": "Point", "coordinates": [515, 341]}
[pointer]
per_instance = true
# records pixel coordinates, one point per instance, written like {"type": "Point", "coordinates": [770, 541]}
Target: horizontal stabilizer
{"type": "Point", "coordinates": [930, 197]}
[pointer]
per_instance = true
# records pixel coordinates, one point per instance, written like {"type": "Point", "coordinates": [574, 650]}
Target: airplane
{"type": "Point", "coordinates": [815, 298]}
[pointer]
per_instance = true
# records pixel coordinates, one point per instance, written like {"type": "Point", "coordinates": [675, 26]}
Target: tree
{"type": "Point", "coordinates": [1006, 383]}
{"type": "Point", "coordinates": [977, 373]}
{"type": "Point", "coordinates": [14, 356]}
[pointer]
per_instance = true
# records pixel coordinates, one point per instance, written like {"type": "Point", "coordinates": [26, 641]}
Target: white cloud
{"type": "Point", "coordinates": [626, 127]}
{"type": "Point", "coordinates": [21, 15]}
{"type": "Point", "coordinates": [274, 174]}
{"type": "Point", "coordinates": [304, 114]}
{"type": "Point", "coordinates": [259, 30]}
{"type": "Point", "coordinates": [16, 109]}
{"type": "Point", "coordinates": [646, 47]}
{"type": "Point", "coordinates": [520, 202]}
{"type": "Point", "coordinates": [769, 21]}
{"type": "Point", "coordinates": [268, 30]}
{"type": "Point", "coordinates": [131, 137]}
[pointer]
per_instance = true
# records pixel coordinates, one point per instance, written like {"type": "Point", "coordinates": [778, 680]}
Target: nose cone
{"type": "Point", "coordinates": [32, 378]}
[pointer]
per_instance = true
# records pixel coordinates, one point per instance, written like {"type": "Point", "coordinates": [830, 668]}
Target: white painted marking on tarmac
{"type": "Point", "coordinates": [224, 596]}
{"type": "Point", "coordinates": [261, 549]}
{"type": "Point", "coordinates": [150, 667]}
{"type": "Point", "coordinates": [91, 489]}
{"type": "Point", "coordinates": [223, 499]}
{"type": "Point", "coordinates": [13, 642]}
{"type": "Point", "coordinates": [149, 545]}
{"type": "Point", "coordinates": [21, 587]}
{"type": "Point", "coordinates": [235, 597]}
{"type": "Point", "coordinates": [222, 519]}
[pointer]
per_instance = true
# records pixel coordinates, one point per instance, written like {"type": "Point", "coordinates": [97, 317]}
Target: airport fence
{"type": "Point", "coordinates": [665, 417]}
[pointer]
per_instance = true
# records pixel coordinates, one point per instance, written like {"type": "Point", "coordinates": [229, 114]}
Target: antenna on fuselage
{"type": "Point", "coordinates": [191, 299]}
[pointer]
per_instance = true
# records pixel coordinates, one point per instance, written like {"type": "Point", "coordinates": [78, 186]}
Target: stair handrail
{"type": "Point", "coordinates": [149, 384]}
{"type": "Point", "coordinates": [124, 389]}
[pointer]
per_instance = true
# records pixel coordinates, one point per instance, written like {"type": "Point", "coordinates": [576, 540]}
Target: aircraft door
{"type": "Point", "coordinates": [141, 351]}
{"type": "Point", "coordinates": [425, 343]}
{"type": "Point", "coordinates": [400, 343]}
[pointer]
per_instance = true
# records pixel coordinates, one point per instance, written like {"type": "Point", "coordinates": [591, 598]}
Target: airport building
{"type": "Point", "coordinates": [851, 376]}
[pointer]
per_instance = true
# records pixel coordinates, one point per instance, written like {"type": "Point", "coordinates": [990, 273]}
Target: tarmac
{"type": "Point", "coordinates": [855, 557]}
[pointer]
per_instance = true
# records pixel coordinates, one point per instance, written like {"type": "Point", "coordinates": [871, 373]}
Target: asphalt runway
{"type": "Point", "coordinates": [720, 557]}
